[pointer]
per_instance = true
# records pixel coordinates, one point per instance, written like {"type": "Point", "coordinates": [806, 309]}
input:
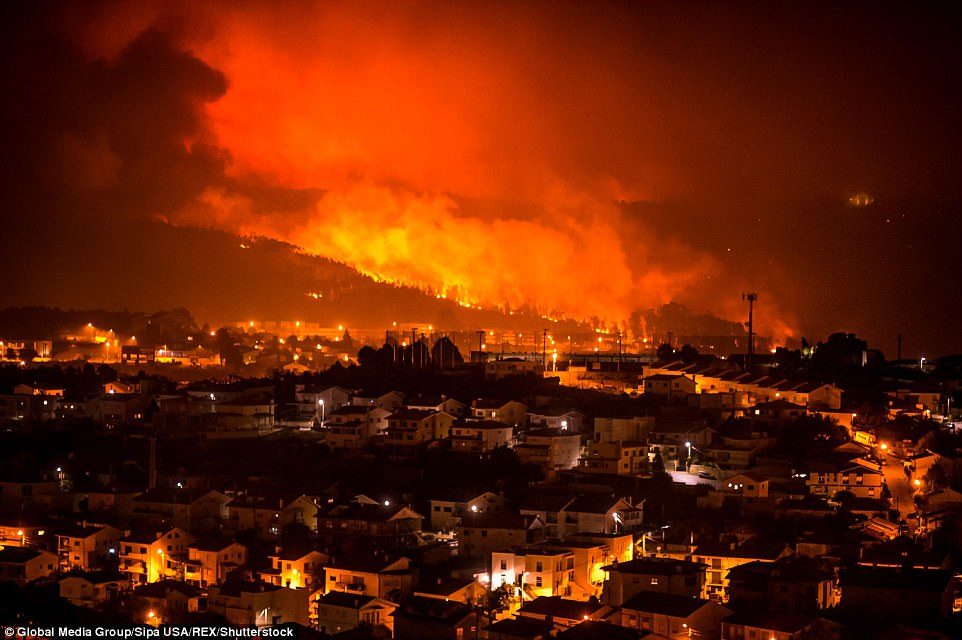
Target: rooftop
{"type": "Point", "coordinates": [558, 607]}
{"type": "Point", "coordinates": [668, 604]}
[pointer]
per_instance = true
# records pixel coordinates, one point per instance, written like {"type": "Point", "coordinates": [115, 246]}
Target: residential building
{"type": "Point", "coordinates": [623, 457]}
{"type": "Point", "coordinates": [93, 588]}
{"type": "Point", "coordinates": [433, 619]}
{"type": "Point", "coordinates": [552, 450]}
{"type": "Point", "coordinates": [600, 513]}
{"type": "Point", "coordinates": [797, 585]}
{"type": "Point", "coordinates": [446, 512]}
{"type": "Point", "coordinates": [566, 419]}
{"type": "Point", "coordinates": [86, 546]}
{"type": "Point", "coordinates": [390, 401]}
{"type": "Point", "coordinates": [564, 613]}
{"type": "Point", "coordinates": [766, 625]}
{"type": "Point", "coordinates": [170, 601]}
{"type": "Point", "coordinates": [479, 534]}
{"type": "Point", "coordinates": [468, 591]}
{"type": "Point", "coordinates": [352, 527]}
{"type": "Point", "coordinates": [191, 509]}
{"type": "Point", "coordinates": [534, 571]}
{"type": "Point", "coordinates": [722, 557]}
{"type": "Point", "coordinates": [388, 579]}
{"type": "Point", "coordinates": [212, 559]}
{"type": "Point", "coordinates": [296, 569]}
{"type": "Point", "coordinates": [480, 436]}
{"type": "Point", "coordinates": [510, 412]}
{"type": "Point", "coordinates": [667, 615]}
{"type": "Point", "coordinates": [351, 426]}
{"type": "Point", "coordinates": [149, 556]}
{"type": "Point", "coordinates": [23, 566]}
{"type": "Point", "coordinates": [619, 429]}
{"type": "Point", "coordinates": [254, 604]}
{"type": "Point", "coordinates": [441, 404]}
{"type": "Point", "coordinates": [672, 387]}
{"type": "Point", "coordinates": [861, 478]}
{"type": "Point", "coordinates": [663, 575]}
{"type": "Point", "coordinates": [409, 428]}
{"type": "Point", "coordinates": [899, 593]}
{"type": "Point", "coordinates": [339, 611]}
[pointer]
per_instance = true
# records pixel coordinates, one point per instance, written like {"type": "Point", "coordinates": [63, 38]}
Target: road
{"type": "Point", "coordinates": [901, 487]}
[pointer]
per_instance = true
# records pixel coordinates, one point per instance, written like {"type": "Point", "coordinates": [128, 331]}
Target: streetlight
{"type": "Point", "coordinates": [321, 404]}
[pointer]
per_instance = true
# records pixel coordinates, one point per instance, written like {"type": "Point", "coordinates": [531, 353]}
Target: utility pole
{"type": "Point", "coordinates": [480, 343]}
{"type": "Point", "coordinates": [619, 350]}
{"type": "Point", "coordinates": [413, 335]}
{"type": "Point", "coordinates": [751, 298]}
{"type": "Point", "coordinates": [544, 349]}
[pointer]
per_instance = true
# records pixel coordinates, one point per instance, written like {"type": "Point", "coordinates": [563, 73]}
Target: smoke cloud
{"type": "Point", "coordinates": [589, 161]}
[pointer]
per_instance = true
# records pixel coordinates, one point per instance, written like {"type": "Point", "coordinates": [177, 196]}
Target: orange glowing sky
{"type": "Point", "coordinates": [589, 160]}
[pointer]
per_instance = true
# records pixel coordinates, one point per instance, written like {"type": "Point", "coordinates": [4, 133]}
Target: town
{"type": "Point", "coordinates": [420, 320]}
{"type": "Point", "coordinates": [252, 477]}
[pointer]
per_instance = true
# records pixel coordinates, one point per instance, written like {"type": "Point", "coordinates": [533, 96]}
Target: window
{"type": "Point", "coordinates": [537, 581]}
{"type": "Point", "coordinates": [538, 567]}
{"type": "Point", "coordinates": [654, 581]}
{"type": "Point", "coordinates": [504, 565]}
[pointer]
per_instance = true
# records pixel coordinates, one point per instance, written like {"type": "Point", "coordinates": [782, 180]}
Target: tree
{"type": "Point", "coordinates": [498, 600]}
{"type": "Point", "coordinates": [840, 353]}
{"type": "Point", "coordinates": [658, 464]}
{"type": "Point", "coordinates": [689, 353]}
{"type": "Point", "coordinates": [367, 357]}
{"type": "Point", "coordinates": [665, 351]}
{"type": "Point", "coordinates": [445, 353]}
{"type": "Point", "coordinates": [936, 477]}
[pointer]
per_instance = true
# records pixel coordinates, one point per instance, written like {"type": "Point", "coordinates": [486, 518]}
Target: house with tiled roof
{"type": "Point", "coordinates": [338, 612]}
{"type": "Point", "coordinates": [93, 588]}
{"type": "Point", "coordinates": [669, 616]}
{"type": "Point", "coordinates": [23, 566]}
{"type": "Point", "coordinates": [479, 534]}
{"type": "Point", "coordinates": [212, 559]}
{"type": "Point", "coordinates": [722, 557]}
{"type": "Point", "coordinates": [664, 575]}
{"type": "Point", "coordinates": [380, 577]}
{"type": "Point", "coordinates": [85, 546]}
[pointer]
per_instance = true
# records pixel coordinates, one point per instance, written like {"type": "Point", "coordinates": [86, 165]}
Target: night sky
{"type": "Point", "coordinates": [590, 159]}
